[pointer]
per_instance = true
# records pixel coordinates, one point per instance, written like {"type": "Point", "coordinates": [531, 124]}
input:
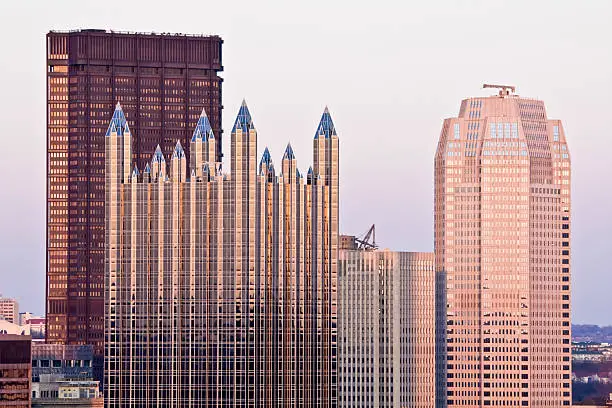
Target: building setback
{"type": "Point", "coordinates": [386, 332]}
{"type": "Point", "coordinates": [502, 254]}
{"type": "Point", "coordinates": [221, 288]}
{"type": "Point", "coordinates": [163, 82]}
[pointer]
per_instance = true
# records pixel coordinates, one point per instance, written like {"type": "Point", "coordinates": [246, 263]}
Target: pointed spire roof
{"type": "Point", "coordinates": [310, 172]}
{"type": "Point", "coordinates": [118, 122]}
{"type": "Point", "coordinates": [158, 156]}
{"type": "Point", "coordinates": [266, 162]}
{"type": "Point", "coordinates": [178, 151]}
{"type": "Point", "coordinates": [289, 153]}
{"type": "Point", "coordinates": [326, 127]}
{"type": "Point", "coordinates": [135, 172]}
{"type": "Point", "coordinates": [147, 169]}
{"type": "Point", "coordinates": [243, 120]}
{"type": "Point", "coordinates": [203, 129]}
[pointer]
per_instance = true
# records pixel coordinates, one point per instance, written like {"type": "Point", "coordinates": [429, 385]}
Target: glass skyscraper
{"type": "Point", "coordinates": [221, 288]}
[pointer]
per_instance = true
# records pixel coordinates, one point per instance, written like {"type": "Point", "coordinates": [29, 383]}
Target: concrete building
{"type": "Point", "coordinates": [386, 332]}
{"type": "Point", "coordinates": [502, 253]}
{"type": "Point", "coordinates": [7, 327]}
{"type": "Point", "coordinates": [221, 287]}
{"type": "Point", "coordinates": [164, 81]}
{"type": "Point", "coordinates": [36, 324]}
{"type": "Point", "coordinates": [15, 371]}
{"type": "Point", "coordinates": [9, 310]}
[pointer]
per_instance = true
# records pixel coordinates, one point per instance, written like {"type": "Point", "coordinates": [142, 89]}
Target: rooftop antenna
{"type": "Point", "coordinates": [504, 90]}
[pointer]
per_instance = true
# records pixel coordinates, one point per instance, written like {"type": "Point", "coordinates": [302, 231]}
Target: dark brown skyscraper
{"type": "Point", "coordinates": [163, 83]}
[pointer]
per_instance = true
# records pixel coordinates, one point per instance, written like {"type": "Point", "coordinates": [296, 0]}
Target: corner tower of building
{"type": "Point", "coordinates": [502, 255]}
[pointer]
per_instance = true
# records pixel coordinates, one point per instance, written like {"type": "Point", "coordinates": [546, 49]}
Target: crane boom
{"type": "Point", "coordinates": [504, 90]}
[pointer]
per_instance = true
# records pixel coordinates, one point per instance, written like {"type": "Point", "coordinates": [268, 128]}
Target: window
{"type": "Point", "coordinates": [556, 133]}
{"type": "Point", "coordinates": [456, 131]}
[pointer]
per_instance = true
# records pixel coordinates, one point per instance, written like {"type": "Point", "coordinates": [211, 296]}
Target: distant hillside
{"type": "Point", "coordinates": [592, 332]}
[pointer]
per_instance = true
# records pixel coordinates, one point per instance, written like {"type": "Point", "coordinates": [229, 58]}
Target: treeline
{"type": "Point", "coordinates": [592, 332]}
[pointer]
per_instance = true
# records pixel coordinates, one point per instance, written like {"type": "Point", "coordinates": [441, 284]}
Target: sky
{"type": "Point", "coordinates": [389, 71]}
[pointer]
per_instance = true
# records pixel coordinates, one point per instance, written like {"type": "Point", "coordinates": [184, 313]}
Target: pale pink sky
{"type": "Point", "coordinates": [389, 71]}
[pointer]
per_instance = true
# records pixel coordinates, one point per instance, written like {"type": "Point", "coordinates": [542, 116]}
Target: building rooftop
{"type": "Point", "coordinates": [118, 32]}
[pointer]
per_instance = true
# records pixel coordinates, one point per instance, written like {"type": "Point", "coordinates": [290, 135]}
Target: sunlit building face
{"type": "Point", "coordinates": [221, 288]}
{"type": "Point", "coordinates": [502, 254]}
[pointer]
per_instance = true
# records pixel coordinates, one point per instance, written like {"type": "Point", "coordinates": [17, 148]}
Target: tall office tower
{"type": "Point", "coordinates": [9, 310]}
{"type": "Point", "coordinates": [502, 253]}
{"type": "Point", "coordinates": [163, 82]}
{"type": "Point", "coordinates": [386, 329]}
{"type": "Point", "coordinates": [221, 288]}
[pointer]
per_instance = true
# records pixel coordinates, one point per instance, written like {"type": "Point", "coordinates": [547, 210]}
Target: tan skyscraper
{"type": "Point", "coordinates": [221, 288]}
{"type": "Point", "coordinates": [502, 254]}
{"type": "Point", "coordinates": [385, 329]}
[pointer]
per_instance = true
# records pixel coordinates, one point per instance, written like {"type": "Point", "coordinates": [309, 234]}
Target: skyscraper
{"type": "Point", "coordinates": [221, 287]}
{"type": "Point", "coordinates": [385, 329]}
{"type": "Point", "coordinates": [9, 310]}
{"type": "Point", "coordinates": [163, 83]}
{"type": "Point", "coordinates": [502, 254]}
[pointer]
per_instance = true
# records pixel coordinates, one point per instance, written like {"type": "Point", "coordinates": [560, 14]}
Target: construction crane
{"type": "Point", "coordinates": [504, 90]}
{"type": "Point", "coordinates": [368, 240]}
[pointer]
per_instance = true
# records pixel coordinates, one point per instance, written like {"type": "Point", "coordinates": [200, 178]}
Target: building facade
{"type": "Point", "coordinates": [57, 366]}
{"type": "Point", "coordinates": [9, 310]}
{"type": "Point", "coordinates": [15, 371]}
{"type": "Point", "coordinates": [163, 82]}
{"type": "Point", "coordinates": [502, 254]}
{"type": "Point", "coordinates": [386, 332]}
{"type": "Point", "coordinates": [221, 287]}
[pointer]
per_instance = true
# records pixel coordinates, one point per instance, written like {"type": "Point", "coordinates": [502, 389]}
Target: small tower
{"type": "Point", "coordinates": [203, 145]}
{"type": "Point", "coordinates": [146, 174]}
{"type": "Point", "coordinates": [289, 165]}
{"type": "Point", "coordinates": [326, 150]}
{"type": "Point", "coordinates": [121, 140]}
{"type": "Point", "coordinates": [158, 165]}
{"type": "Point", "coordinates": [266, 167]}
{"type": "Point", "coordinates": [178, 163]}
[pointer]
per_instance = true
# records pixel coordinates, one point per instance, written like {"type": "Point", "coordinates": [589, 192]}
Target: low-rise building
{"type": "Point", "coordinates": [9, 310]}
{"type": "Point", "coordinates": [57, 367]}
{"type": "Point", "coordinates": [15, 370]}
{"type": "Point", "coordinates": [36, 324]}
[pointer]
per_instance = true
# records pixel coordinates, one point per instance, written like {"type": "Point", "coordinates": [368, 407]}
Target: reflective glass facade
{"type": "Point", "coordinates": [221, 287]}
